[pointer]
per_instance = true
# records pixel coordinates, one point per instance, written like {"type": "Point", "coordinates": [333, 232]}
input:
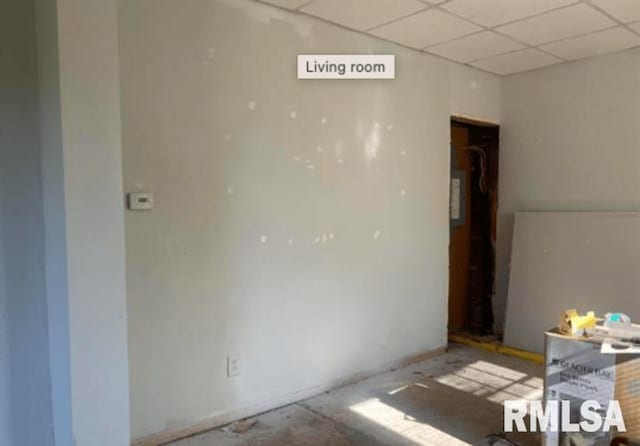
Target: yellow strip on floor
{"type": "Point", "coordinates": [509, 351]}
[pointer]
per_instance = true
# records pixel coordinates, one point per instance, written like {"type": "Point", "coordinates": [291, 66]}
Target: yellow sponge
{"type": "Point", "coordinates": [574, 324]}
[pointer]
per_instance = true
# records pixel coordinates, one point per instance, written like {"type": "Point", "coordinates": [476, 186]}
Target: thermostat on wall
{"type": "Point", "coordinates": [140, 201]}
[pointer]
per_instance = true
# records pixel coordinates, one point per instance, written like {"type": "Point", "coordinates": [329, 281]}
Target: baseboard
{"type": "Point", "coordinates": [221, 419]}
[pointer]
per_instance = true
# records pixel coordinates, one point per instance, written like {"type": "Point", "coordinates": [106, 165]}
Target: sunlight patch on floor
{"type": "Point", "coordinates": [493, 382]}
{"type": "Point", "coordinates": [403, 424]}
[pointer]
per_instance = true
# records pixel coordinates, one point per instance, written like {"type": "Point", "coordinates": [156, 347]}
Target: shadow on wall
{"type": "Point", "coordinates": [25, 391]}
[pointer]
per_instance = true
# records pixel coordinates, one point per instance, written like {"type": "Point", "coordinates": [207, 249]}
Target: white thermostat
{"type": "Point", "coordinates": [140, 201]}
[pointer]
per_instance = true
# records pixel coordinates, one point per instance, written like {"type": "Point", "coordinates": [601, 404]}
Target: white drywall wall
{"type": "Point", "coordinates": [474, 94]}
{"type": "Point", "coordinates": [561, 260]}
{"type": "Point", "coordinates": [54, 216]}
{"type": "Point", "coordinates": [90, 122]}
{"type": "Point", "coordinates": [84, 236]}
{"type": "Point", "coordinates": [300, 224]}
{"type": "Point", "coordinates": [25, 388]}
{"type": "Point", "coordinates": [6, 429]}
{"type": "Point", "coordinates": [568, 142]}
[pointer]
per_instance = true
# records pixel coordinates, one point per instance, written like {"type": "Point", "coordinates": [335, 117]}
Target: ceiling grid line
{"type": "Point", "coordinates": [307, 3]}
{"type": "Point", "coordinates": [397, 19]}
{"type": "Point", "coordinates": [510, 22]}
{"type": "Point", "coordinates": [494, 30]}
{"type": "Point", "coordinates": [620, 23]}
{"type": "Point", "coordinates": [498, 36]}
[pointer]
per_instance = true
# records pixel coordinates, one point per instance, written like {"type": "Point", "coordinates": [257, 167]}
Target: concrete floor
{"type": "Point", "coordinates": [453, 399]}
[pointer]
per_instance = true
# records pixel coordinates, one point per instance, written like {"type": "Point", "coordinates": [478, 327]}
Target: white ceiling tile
{"type": "Point", "coordinates": [602, 42]}
{"type": "Point", "coordinates": [623, 10]}
{"type": "Point", "coordinates": [475, 46]}
{"type": "Point", "coordinates": [515, 62]}
{"type": "Point", "coordinates": [361, 15]}
{"type": "Point", "coordinates": [426, 28]}
{"type": "Point", "coordinates": [289, 4]}
{"type": "Point", "coordinates": [496, 12]}
{"type": "Point", "coordinates": [557, 25]}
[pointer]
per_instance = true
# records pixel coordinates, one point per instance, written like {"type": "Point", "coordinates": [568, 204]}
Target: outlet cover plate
{"type": "Point", "coordinates": [233, 365]}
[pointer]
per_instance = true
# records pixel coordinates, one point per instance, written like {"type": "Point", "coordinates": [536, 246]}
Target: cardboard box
{"type": "Point", "coordinates": [575, 370]}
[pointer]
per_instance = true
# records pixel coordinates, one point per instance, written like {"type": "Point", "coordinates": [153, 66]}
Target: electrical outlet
{"type": "Point", "coordinates": [233, 365]}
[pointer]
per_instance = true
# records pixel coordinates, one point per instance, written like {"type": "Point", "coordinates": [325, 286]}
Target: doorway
{"type": "Point", "coordinates": [472, 219]}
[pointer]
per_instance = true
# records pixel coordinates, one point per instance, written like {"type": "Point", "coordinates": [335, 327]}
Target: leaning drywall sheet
{"type": "Point", "coordinates": [560, 260]}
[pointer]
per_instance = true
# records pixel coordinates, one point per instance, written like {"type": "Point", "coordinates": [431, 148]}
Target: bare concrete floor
{"type": "Point", "coordinates": [453, 399]}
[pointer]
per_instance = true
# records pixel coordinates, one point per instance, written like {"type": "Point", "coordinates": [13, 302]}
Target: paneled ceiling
{"type": "Point", "coordinates": [499, 36]}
